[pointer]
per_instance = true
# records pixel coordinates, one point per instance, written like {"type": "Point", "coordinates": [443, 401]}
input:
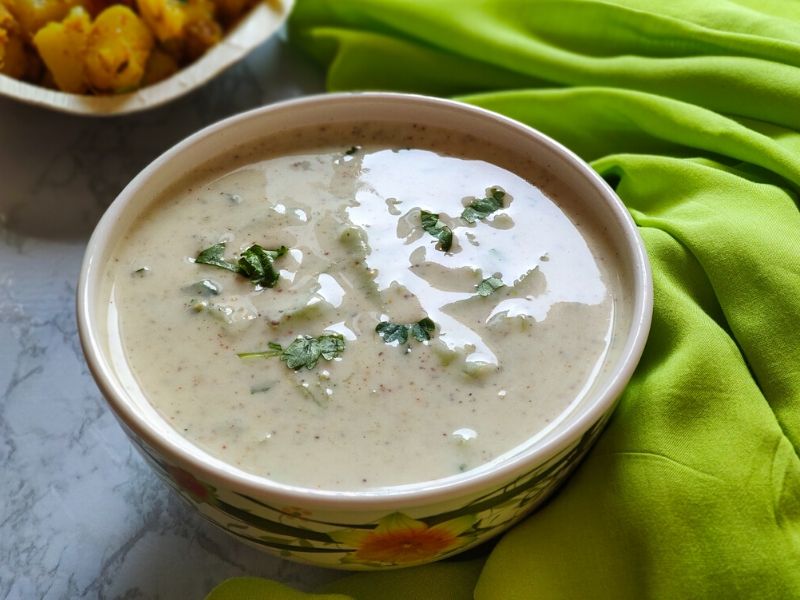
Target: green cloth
{"type": "Point", "coordinates": [691, 109]}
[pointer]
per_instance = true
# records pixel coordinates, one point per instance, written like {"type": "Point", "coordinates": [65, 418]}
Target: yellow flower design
{"type": "Point", "coordinates": [399, 540]}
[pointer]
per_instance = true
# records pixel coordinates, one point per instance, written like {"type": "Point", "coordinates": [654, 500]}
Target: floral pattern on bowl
{"type": "Point", "coordinates": [394, 539]}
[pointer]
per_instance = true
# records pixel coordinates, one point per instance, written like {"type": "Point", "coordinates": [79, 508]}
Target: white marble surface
{"type": "Point", "coordinates": [81, 515]}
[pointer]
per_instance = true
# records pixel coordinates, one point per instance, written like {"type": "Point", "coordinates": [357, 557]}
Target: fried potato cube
{"type": "Point", "coordinates": [17, 59]}
{"type": "Point", "coordinates": [230, 10]}
{"type": "Point", "coordinates": [117, 50]}
{"type": "Point", "coordinates": [201, 30]}
{"type": "Point", "coordinates": [62, 47]}
{"type": "Point", "coordinates": [165, 17]}
{"type": "Point", "coordinates": [95, 7]}
{"type": "Point", "coordinates": [8, 23]}
{"type": "Point", "coordinates": [13, 59]}
{"type": "Point", "coordinates": [185, 28]}
{"type": "Point", "coordinates": [7, 20]}
{"type": "Point", "coordinates": [160, 65]}
{"type": "Point", "coordinates": [32, 15]}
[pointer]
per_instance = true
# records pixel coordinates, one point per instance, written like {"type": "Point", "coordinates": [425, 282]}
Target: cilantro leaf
{"type": "Point", "coordinates": [392, 332]}
{"type": "Point", "coordinates": [422, 329]}
{"type": "Point", "coordinates": [305, 351]}
{"type": "Point", "coordinates": [398, 332]}
{"type": "Point", "coordinates": [214, 256]}
{"type": "Point", "coordinates": [489, 286]}
{"type": "Point", "coordinates": [483, 207]}
{"type": "Point", "coordinates": [256, 263]}
{"type": "Point", "coordinates": [433, 225]}
{"type": "Point", "coordinates": [330, 346]}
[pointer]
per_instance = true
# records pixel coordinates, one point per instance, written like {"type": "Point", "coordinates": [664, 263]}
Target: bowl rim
{"type": "Point", "coordinates": [389, 497]}
{"type": "Point", "coordinates": [257, 25]}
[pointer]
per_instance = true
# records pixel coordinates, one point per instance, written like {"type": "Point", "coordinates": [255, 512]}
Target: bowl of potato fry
{"type": "Point", "coordinates": [107, 57]}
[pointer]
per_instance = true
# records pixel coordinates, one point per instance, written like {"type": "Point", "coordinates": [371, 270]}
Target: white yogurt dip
{"type": "Point", "coordinates": [506, 358]}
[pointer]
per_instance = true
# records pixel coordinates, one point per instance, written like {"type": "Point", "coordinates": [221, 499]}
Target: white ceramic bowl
{"type": "Point", "coordinates": [409, 524]}
{"type": "Point", "coordinates": [254, 28]}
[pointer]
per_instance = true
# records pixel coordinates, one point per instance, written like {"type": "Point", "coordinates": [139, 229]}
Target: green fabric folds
{"type": "Point", "coordinates": [691, 109]}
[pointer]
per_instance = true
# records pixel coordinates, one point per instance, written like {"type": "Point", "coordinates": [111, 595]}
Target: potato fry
{"type": "Point", "coordinates": [230, 10]}
{"type": "Point", "coordinates": [185, 28]}
{"type": "Point", "coordinates": [117, 50]}
{"type": "Point", "coordinates": [201, 30]}
{"type": "Point", "coordinates": [13, 60]}
{"type": "Point", "coordinates": [165, 17]}
{"type": "Point", "coordinates": [32, 15]}
{"type": "Point", "coordinates": [160, 65]}
{"type": "Point", "coordinates": [62, 47]}
{"type": "Point", "coordinates": [56, 43]}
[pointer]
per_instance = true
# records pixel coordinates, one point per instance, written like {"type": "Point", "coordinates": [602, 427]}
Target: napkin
{"type": "Point", "coordinates": [691, 110]}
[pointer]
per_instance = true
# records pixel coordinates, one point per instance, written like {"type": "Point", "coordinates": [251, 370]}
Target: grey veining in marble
{"type": "Point", "coordinates": [81, 515]}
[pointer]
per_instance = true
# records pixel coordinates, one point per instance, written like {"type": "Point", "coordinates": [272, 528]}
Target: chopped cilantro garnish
{"type": "Point", "coordinates": [423, 329]}
{"type": "Point", "coordinates": [392, 332]}
{"type": "Point", "coordinates": [215, 256]}
{"type": "Point", "coordinates": [305, 351]}
{"type": "Point", "coordinates": [489, 285]}
{"type": "Point", "coordinates": [397, 332]}
{"type": "Point", "coordinates": [433, 225]}
{"type": "Point", "coordinates": [256, 263]}
{"type": "Point", "coordinates": [483, 207]}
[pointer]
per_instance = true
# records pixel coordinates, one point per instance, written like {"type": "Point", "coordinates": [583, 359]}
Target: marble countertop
{"type": "Point", "coordinates": [81, 514]}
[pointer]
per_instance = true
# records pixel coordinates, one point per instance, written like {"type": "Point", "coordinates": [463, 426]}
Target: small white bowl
{"type": "Point", "coordinates": [390, 527]}
{"type": "Point", "coordinates": [253, 29]}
